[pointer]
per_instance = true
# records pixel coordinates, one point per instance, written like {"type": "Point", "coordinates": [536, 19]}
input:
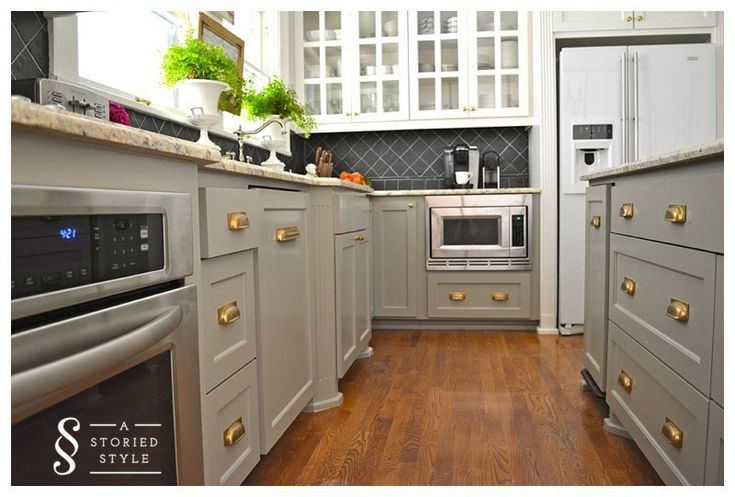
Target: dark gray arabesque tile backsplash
{"type": "Point", "coordinates": [393, 160]}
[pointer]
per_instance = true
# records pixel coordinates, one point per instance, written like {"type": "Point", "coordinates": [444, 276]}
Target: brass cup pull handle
{"type": "Point", "coordinates": [596, 222]}
{"type": "Point", "coordinates": [287, 234]}
{"type": "Point", "coordinates": [457, 296]}
{"type": "Point", "coordinates": [228, 313]}
{"type": "Point", "coordinates": [676, 214]}
{"type": "Point", "coordinates": [629, 18]}
{"type": "Point", "coordinates": [678, 311]}
{"type": "Point", "coordinates": [500, 296]}
{"type": "Point", "coordinates": [360, 238]}
{"type": "Point", "coordinates": [237, 221]}
{"type": "Point", "coordinates": [626, 211]}
{"type": "Point", "coordinates": [625, 381]}
{"type": "Point", "coordinates": [628, 286]}
{"type": "Point", "coordinates": [410, 205]}
{"type": "Point", "coordinates": [639, 18]}
{"type": "Point", "coordinates": [672, 434]}
{"type": "Point", "coordinates": [234, 433]}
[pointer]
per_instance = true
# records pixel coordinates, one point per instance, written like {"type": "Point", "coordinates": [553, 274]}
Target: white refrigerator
{"type": "Point", "coordinates": [621, 104]}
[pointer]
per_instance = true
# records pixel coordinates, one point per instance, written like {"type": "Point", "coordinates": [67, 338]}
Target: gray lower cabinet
{"type": "Point", "coordinates": [352, 293]}
{"type": "Point", "coordinates": [597, 243]}
{"type": "Point", "coordinates": [285, 334]}
{"type": "Point", "coordinates": [718, 342]}
{"type": "Point", "coordinates": [714, 473]}
{"type": "Point", "coordinates": [480, 294]}
{"type": "Point", "coordinates": [231, 429]}
{"type": "Point", "coordinates": [395, 227]}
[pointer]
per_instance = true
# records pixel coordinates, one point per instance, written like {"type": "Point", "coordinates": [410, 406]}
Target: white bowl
{"type": "Point", "coordinates": [390, 28]}
{"type": "Point", "coordinates": [337, 34]}
{"type": "Point", "coordinates": [329, 34]}
{"type": "Point", "coordinates": [370, 70]}
{"type": "Point", "coordinates": [386, 70]}
{"type": "Point", "coordinates": [312, 35]}
{"type": "Point", "coordinates": [396, 68]}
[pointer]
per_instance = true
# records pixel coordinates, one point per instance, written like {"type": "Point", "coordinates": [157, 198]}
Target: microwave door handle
{"type": "Point", "coordinates": [505, 221]}
{"type": "Point", "coordinates": [38, 382]}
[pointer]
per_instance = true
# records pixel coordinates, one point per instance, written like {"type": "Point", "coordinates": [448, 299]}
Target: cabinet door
{"type": "Point", "coordinates": [345, 261]}
{"type": "Point", "coordinates": [658, 19]}
{"type": "Point", "coordinates": [714, 469]}
{"type": "Point", "coordinates": [286, 334]}
{"type": "Point", "coordinates": [497, 63]}
{"type": "Point", "coordinates": [323, 64]}
{"type": "Point", "coordinates": [592, 20]}
{"type": "Point", "coordinates": [597, 243]}
{"type": "Point", "coordinates": [438, 72]}
{"type": "Point", "coordinates": [380, 79]}
{"type": "Point", "coordinates": [363, 291]}
{"type": "Point", "coordinates": [717, 390]}
{"type": "Point", "coordinates": [395, 223]}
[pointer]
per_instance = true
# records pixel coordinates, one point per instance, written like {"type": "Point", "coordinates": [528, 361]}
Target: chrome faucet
{"type": "Point", "coordinates": [241, 135]}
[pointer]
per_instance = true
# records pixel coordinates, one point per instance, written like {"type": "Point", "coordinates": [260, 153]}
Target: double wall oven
{"type": "Point", "coordinates": [104, 348]}
{"type": "Point", "coordinates": [479, 232]}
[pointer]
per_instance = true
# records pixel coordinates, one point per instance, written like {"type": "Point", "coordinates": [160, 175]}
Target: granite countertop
{"type": "Point", "coordinates": [483, 191]}
{"type": "Point", "coordinates": [68, 125]}
{"type": "Point", "coordinates": [236, 167]}
{"type": "Point", "coordinates": [675, 158]}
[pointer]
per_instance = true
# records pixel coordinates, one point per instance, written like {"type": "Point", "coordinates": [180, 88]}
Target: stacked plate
{"type": "Point", "coordinates": [450, 25]}
{"type": "Point", "coordinates": [426, 25]}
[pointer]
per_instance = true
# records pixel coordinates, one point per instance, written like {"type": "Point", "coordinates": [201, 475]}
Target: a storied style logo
{"type": "Point", "coordinates": [66, 456]}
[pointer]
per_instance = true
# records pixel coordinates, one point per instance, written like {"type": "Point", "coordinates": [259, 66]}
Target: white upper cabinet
{"type": "Point", "coordinates": [361, 67]}
{"type": "Point", "coordinates": [629, 19]}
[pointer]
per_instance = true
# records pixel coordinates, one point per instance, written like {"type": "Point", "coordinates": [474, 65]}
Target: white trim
{"type": "Point", "coordinates": [417, 124]}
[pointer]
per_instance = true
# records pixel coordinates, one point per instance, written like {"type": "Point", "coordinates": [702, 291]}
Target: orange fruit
{"type": "Point", "coordinates": [344, 175]}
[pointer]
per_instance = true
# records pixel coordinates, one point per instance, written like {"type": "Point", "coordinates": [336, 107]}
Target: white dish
{"type": "Point", "coordinates": [329, 34]}
{"type": "Point", "coordinates": [370, 70]}
{"type": "Point", "coordinates": [426, 67]}
{"type": "Point", "coordinates": [386, 69]}
{"type": "Point", "coordinates": [396, 68]}
{"type": "Point", "coordinates": [312, 35]}
{"type": "Point", "coordinates": [337, 34]}
{"type": "Point", "coordinates": [390, 28]}
{"type": "Point", "coordinates": [449, 67]}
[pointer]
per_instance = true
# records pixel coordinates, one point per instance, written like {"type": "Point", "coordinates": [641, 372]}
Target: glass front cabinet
{"type": "Point", "coordinates": [374, 66]}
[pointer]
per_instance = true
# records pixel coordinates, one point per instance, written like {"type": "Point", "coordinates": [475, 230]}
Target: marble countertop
{"type": "Point", "coordinates": [675, 158]}
{"type": "Point", "coordinates": [483, 191]}
{"type": "Point", "coordinates": [68, 125]}
{"type": "Point", "coordinates": [236, 167]}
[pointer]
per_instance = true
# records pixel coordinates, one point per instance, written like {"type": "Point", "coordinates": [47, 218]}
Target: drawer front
{"type": "Point", "coordinates": [656, 273]}
{"type": "Point", "coordinates": [718, 346]}
{"type": "Point", "coordinates": [487, 295]}
{"type": "Point", "coordinates": [231, 434]}
{"type": "Point", "coordinates": [351, 212]}
{"type": "Point", "coordinates": [228, 219]}
{"type": "Point", "coordinates": [698, 188]}
{"type": "Point", "coordinates": [715, 466]}
{"type": "Point", "coordinates": [227, 316]}
{"type": "Point", "coordinates": [650, 399]}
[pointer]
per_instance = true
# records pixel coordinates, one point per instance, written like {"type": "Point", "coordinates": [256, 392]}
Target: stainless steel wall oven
{"type": "Point", "coordinates": [104, 348]}
{"type": "Point", "coordinates": [479, 232]}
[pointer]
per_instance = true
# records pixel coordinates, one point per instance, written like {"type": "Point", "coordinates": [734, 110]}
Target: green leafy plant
{"type": "Point", "coordinates": [276, 98]}
{"type": "Point", "coordinates": [196, 59]}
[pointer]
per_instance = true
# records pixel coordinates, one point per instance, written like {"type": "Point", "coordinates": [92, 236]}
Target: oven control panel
{"type": "Point", "coordinates": [52, 253]}
{"type": "Point", "coordinates": [518, 230]}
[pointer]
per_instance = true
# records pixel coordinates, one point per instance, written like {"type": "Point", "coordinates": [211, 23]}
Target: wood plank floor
{"type": "Point", "coordinates": [459, 408]}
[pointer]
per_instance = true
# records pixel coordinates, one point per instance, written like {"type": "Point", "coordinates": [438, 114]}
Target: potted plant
{"type": "Point", "coordinates": [277, 100]}
{"type": "Point", "coordinates": [207, 80]}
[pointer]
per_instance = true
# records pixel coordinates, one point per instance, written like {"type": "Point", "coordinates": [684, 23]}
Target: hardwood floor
{"type": "Point", "coordinates": [459, 408]}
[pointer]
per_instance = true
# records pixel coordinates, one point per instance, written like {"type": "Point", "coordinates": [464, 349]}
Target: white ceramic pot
{"type": "Point", "coordinates": [200, 93]}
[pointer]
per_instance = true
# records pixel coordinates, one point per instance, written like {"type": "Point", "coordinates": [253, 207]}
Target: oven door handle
{"type": "Point", "coordinates": [36, 383]}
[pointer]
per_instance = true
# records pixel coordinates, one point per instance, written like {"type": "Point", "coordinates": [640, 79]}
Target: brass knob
{"type": "Point", "coordinates": [639, 18]}
{"type": "Point", "coordinates": [457, 296]}
{"type": "Point", "coordinates": [473, 109]}
{"type": "Point", "coordinates": [234, 433]}
{"type": "Point", "coordinates": [628, 286]}
{"type": "Point", "coordinates": [228, 313]}
{"type": "Point", "coordinates": [465, 109]}
{"type": "Point", "coordinates": [626, 211]}
{"type": "Point", "coordinates": [676, 214]}
{"type": "Point", "coordinates": [237, 221]}
{"type": "Point", "coordinates": [287, 234]}
{"type": "Point", "coordinates": [672, 434]}
{"type": "Point", "coordinates": [360, 238]}
{"type": "Point", "coordinates": [629, 18]}
{"type": "Point", "coordinates": [678, 311]}
{"type": "Point", "coordinates": [625, 381]}
{"type": "Point", "coordinates": [596, 222]}
{"type": "Point", "coordinates": [500, 296]}
{"type": "Point", "coordinates": [410, 205]}
{"type": "Point", "coordinates": [348, 114]}
{"type": "Point", "coordinates": [355, 113]}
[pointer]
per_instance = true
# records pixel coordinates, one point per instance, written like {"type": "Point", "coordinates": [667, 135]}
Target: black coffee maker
{"type": "Point", "coordinates": [456, 158]}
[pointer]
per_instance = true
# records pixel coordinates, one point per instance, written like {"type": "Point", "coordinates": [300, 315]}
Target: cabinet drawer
{"type": "Point", "coordinates": [715, 464]}
{"type": "Point", "coordinates": [228, 219]}
{"type": "Point", "coordinates": [351, 212]}
{"type": "Point", "coordinates": [651, 399]}
{"type": "Point", "coordinates": [698, 189]}
{"type": "Point", "coordinates": [664, 279]}
{"type": "Point", "coordinates": [488, 295]}
{"type": "Point", "coordinates": [227, 316]}
{"type": "Point", "coordinates": [231, 434]}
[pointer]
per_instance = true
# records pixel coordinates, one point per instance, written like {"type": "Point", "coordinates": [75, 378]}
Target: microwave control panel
{"type": "Point", "coordinates": [518, 230]}
{"type": "Point", "coordinates": [52, 253]}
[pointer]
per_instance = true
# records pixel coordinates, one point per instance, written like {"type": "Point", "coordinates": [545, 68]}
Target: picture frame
{"type": "Point", "coordinates": [212, 32]}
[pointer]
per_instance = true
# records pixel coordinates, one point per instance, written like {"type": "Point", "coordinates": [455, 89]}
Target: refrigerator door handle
{"type": "Point", "coordinates": [635, 105]}
{"type": "Point", "coordinates": [624, 107]}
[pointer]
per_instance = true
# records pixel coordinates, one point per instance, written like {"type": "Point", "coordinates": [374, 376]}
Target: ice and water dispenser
{"type": "Point", "coordinates": [592, 150]}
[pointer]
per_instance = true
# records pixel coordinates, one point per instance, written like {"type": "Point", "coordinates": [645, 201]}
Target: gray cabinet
{"type": "Point", "coordinates": [718, 341]}
{"type": "Point", "coordinates": [597, 242]}
{"type": "Point", "coordinates": [714, 471]}
{"type": "Point", "coordinates": [352, 297]}
{"type": "Point", "coordinates": [480, 295]}
{"type": "Point", "coordinates": [397, 245]}
{"type": "Point", "coordinates": [286, 334]}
